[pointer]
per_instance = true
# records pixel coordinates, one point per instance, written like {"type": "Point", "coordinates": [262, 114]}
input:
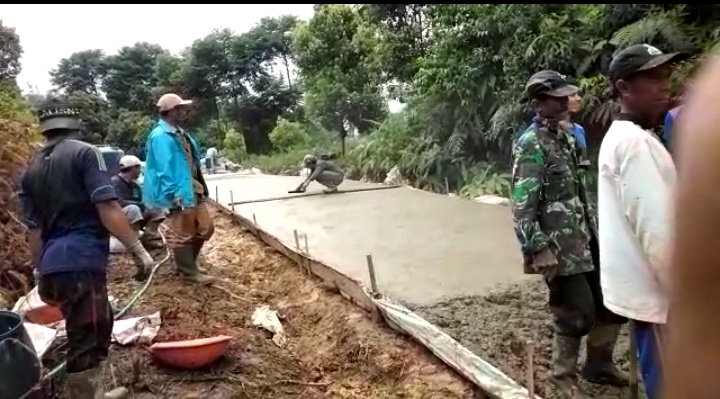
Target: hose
{"type": "Point", "coordinates": [136, 296]}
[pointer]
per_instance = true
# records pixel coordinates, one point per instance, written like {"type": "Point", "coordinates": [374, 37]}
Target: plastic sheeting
{"type": "Point", "coordinates": [483, 374]}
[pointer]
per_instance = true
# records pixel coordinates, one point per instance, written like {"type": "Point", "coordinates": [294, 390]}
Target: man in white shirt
{"type": "Point", "coordinates": [635, 193]}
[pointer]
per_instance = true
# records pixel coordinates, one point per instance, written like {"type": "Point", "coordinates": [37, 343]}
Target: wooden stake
{"type": "Point", "coordinates": [634, 388]}
{"type": "Point", "coordinates": [232, 202]}
{"type": "Point", "coordinates": [371, 270]}
{"type": "Point", "coordinates": [297, 240]}
{"type": "Point", "coordinates": [531, 367]}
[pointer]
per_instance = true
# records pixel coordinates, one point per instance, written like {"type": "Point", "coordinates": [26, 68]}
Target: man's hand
{"type": "Point", "coordinates": [177, 203]}
{"type": "Point", "coordinates": [545, 263]}
{"type": "Point", "coordinates": [302, 187]}
{"type": "Point", "coordinates": [146, 260]}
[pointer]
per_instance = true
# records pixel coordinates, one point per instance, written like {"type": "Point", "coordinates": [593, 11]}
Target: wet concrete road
{"type": "Point", "coordinates": [426, 247]}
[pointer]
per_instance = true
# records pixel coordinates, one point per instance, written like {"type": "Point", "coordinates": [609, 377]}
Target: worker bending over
{"type": "Point", "coordinates": [324, 172]}
{"type": "Point", "coordinates": [71, 209]}
{"type": "Point", "coordinates": [173, 180]}
{"type": "Point", "coordinates": [557, 236]}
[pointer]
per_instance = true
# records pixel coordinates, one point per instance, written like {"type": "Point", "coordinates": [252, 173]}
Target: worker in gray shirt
{"type": "Point", "coordinates": [324, 172]}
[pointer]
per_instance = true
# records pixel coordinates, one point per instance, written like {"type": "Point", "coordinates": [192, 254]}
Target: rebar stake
{"type": "Point", "coordinates": [232, 202]}
{"type": "Point", "coordinates": [634, 389]}
{"type": "Point", "coordinates": [255, 220]}
{"type": "Point", "coordinates": [307, 251]}
{"type": "Point", "coordinates": [297, 240]}
{"type": "Point", "coordinates": [217, 196]}
{"type": "Point", "coordinates": [371, 270]}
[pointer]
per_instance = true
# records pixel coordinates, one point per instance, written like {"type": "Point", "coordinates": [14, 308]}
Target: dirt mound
{"type": "Point", "coordinates": [497, 326]}
{"type": "Point", "coordinates": [334, 350]}
{"type": "Point", "coordinates": [17, 134]}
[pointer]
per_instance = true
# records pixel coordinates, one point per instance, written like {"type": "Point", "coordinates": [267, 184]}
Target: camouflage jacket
{"type": "Point", "coordinates": [550, 199]}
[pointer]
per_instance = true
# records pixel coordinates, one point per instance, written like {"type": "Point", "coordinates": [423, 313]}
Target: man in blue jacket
{"type": "Point", "coordinates": [173, 180]}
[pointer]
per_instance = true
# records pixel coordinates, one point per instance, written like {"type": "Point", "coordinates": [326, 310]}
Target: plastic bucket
{"type": "Point", "coordinates": [20, 368]}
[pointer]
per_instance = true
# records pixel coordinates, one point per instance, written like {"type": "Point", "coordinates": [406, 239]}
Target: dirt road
{"type": "Point", "coordinates": [334, 350]}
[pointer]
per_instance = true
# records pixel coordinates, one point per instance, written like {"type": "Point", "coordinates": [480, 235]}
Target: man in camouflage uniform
{"type": "Point", "coordinates": [558, 238]}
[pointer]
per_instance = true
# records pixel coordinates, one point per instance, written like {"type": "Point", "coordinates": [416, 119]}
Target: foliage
{"type": "Point", "coordinates": [459, 69]}
{"type": "Point", "coordinates": [10, 53]}
{"type": "Point", "coordinates": [289, 135]}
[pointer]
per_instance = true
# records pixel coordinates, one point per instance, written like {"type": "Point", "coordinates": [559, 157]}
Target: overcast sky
{"type": "Point", "coordinates": [49, 33]}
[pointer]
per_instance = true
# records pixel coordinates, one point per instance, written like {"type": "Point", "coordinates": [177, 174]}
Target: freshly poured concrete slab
{"type": "Point", "coordinates": [426, 247]}
{"type": "Point", "coordinates": [258, 187]}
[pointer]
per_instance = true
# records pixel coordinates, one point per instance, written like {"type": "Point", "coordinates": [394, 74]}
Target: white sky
{"type": "Point", "coordinates": [49, 33]}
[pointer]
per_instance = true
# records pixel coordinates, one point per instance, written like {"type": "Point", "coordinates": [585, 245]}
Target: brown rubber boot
{"type": "Point", "coordinates": [564, 362]}
{"type": "Point", "coordinates": [599, 367]}
{"type": "Point", "coordinates": [185, 262]}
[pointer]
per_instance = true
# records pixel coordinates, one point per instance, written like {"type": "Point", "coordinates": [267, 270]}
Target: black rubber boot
{"type": "Point", "coordinates": [599, 367]}
{"type": "Point", "coordinates": [564, 362]}
{"type": "Point", "coordinates": [197, 247]}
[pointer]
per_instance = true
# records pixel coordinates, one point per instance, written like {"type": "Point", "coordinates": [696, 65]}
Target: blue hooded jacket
{"type": "Point", "coordinates": [167, 173]}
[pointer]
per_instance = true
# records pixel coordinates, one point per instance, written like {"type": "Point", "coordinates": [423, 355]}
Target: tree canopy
{"type": "Point", "coordinates": [458, 69]}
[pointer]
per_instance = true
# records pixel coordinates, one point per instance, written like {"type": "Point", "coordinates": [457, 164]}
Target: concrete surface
{"type": "Point", "coordinates": [426, 247]}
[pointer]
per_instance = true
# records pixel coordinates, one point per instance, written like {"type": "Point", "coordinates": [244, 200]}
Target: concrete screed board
{"type": "Point", "coordinates": [426, 247]}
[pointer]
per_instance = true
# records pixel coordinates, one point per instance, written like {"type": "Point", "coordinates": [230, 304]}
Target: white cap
{"type": "Point", "coordinates": [170, 101]}
{"type": "Point", "coordinates": [128, 161]}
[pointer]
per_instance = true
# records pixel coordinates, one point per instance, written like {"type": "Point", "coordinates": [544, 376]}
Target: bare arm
{"type": "Point", "coordinates": [694, 338]}
{"type": "Point", "coordinates": [113, 218]}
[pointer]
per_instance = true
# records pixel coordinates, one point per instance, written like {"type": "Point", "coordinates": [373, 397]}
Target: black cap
{"type": "Point", "coordinates": [638, 58]}
{"type": "Point", "coordinates": [549, 83]}
{"type": "Point", "coordinates": [58, 116]}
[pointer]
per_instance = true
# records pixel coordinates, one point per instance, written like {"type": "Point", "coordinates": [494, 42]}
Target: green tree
{"type": "Point", "coordinates": [10, 53]}
{"type": "Point", "coordinates": [289, 135]}
{"type": "Point", "coordinates": [336, 53]}
{"type": "Point", "coordinates": [82, 71]}
{"type": "Point", "coordinates": [130, 77]}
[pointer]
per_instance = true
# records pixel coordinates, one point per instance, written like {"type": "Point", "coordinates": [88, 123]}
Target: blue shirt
{"type": "Point", "coordinates": [669, 124]}
{"type": "Point", "coordinates": [167, 171]}
{"type": "Point", "coordinates": [59, 191]}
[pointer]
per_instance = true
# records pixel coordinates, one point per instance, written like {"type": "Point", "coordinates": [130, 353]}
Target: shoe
{"type": "Point", "coordinates": [186, 267]}
{"type": "Point", "coordinates": [564, 363]}
{"type": "Point", "coordinates": [599, 367]}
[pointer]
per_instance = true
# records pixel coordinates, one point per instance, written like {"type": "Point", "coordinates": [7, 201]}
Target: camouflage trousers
{"type": "Point", "coordinates": [83, 300]}
{"type": "Point", "coordinates": [576, 301]}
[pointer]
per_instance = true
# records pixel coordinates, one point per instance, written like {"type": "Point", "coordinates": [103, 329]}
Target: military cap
{"type": "Point", "coordinates": [549, 83]}
{"type": "Point", "coordinates": [638, 58]}
{"type": "Point", "coordinates": [58, 116]}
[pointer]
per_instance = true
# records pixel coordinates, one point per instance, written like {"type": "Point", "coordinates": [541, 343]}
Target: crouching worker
{"type": "Point", "coordinates": [173, 180]}
{"type": "Point", "coordinates": [324, 172]}
{"type": "Point", "coordinates": [71, 209]}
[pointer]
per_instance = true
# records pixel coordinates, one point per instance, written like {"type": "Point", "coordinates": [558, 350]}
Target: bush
{"type": "Point", "coordinates": [288, 136]}
{"type": "Point", "coordinates": [234, 146]}
{"type": "Point", "coordinates": [377, 153]}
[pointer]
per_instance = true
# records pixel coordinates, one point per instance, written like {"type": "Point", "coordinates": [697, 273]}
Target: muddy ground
{"type": "Point", "coordinates": [334, 350]}
{"type": "Point", "coordinates": [496, 327]}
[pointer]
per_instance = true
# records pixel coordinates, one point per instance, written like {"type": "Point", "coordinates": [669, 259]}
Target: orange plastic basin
{"type": "Point", "coordinates": [46, 314]}
{"type": "Point", "coordinates": [193, 353]}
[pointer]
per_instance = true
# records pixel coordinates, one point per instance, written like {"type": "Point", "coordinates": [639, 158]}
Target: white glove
{"type": "Point", "coordinates": [142, 254]}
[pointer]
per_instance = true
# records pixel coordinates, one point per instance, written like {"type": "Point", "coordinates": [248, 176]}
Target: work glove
{"type": "Point", "coordinates": [146, 261]}
{"type": "Point", "coordinates": [545, 263]}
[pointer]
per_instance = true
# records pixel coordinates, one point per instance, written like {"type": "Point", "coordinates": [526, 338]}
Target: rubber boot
{"type": "Point", "coordinates": [151, 238]}
{"type": "Point", "coordinates": [599, 367]}
{"type": "Point", "coordinates": [564, 363]}
{"type": "Point", "coordinates": [85, 385]}
{"type": "Point", "coordinates": [197, 247]}
{"type": "Point", "coordinates": [185, 262]}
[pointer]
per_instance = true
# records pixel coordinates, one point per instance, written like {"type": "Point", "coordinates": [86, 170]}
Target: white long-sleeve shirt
{"type": "Point", "coordinates": [635, 197]}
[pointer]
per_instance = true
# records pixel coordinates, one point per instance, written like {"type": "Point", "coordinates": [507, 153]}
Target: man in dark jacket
{"type": "Point", "coordinates": [557, 236]}
{"type": "Point", "coordinates": [71, 209]}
